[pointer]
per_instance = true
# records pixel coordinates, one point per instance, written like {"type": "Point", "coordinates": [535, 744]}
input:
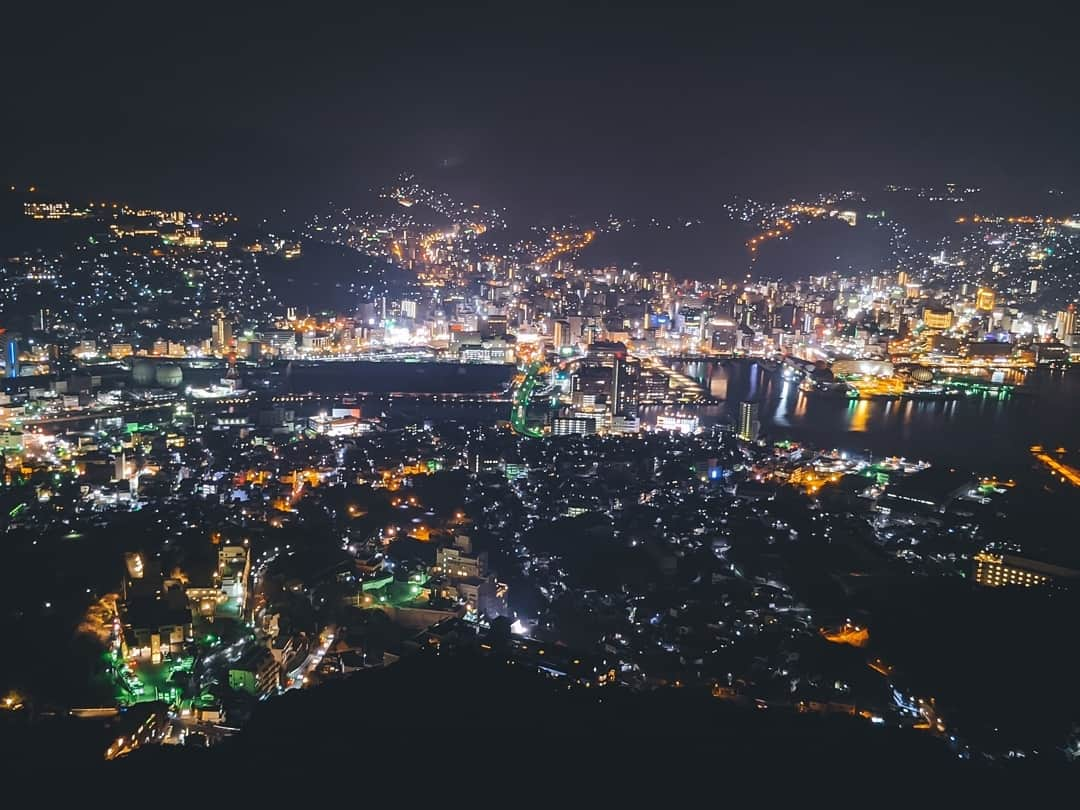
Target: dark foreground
{"type": "Point", "coordinates": [437, 728]}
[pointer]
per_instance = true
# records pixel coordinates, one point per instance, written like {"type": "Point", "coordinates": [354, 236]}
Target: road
{"type": "Point", "coordinates": [519, 410]}
{"type": "Point", "coordinates": [1067, 473]}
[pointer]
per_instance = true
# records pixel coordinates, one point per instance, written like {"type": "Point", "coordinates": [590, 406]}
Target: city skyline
{"type": "Point", "coordinates": [471, 396]}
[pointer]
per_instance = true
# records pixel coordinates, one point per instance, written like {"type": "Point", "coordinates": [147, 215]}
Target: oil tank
{"type": "Point", "coordinates": [922, 374]}
{"type": "Point", "coordinates": [142, 373]}
{"type": "Point", "coordinates": [169, 375]}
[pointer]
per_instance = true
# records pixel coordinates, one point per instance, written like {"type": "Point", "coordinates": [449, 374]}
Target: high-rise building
{"type": "Point", "coordinates": [749, 424]}
{"type": "Point", "coordinates": [220, 332]}
{"type": "Point", "coordinates": [984, 299]}
{"type": "Point", "coordinates": [624, 378]}
{"type": "Point", "coordinates": [10, 344]}
{"type": "Point", "coordinates": [561, 334]}
{"type": "Point", "coordinates": [1065, 325]}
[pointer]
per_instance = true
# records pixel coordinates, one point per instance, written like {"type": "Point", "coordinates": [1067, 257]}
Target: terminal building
{"type": "Point", "coordinates": [926, 494]}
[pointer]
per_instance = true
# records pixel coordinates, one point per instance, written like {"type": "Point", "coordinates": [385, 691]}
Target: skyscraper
{"type": "Point", "coordinates": [220, 332]}
{"type": "Point", "coordinates": [1065, 324]}
{"type": "Point", "coordinates": [749, 424]}
{"type": "Point", "coordinates": [624, 379]}
{"type": "Point", "coordinates": [561, 337]}
{"type": "Point", "coordinates": [10, 344]}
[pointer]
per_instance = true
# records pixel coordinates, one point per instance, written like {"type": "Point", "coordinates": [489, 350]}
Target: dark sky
{"type": "Point", "coordinates": [548, 111]}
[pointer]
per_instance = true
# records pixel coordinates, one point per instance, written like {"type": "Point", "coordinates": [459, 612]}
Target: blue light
{"type": "Point", "coordinates": [13, 358]}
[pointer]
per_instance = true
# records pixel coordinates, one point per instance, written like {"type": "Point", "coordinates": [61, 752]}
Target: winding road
{"type": "Point", "coordinates": [519, 408]}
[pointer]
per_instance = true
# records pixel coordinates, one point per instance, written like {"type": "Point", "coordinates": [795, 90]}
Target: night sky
{"type": "Point", "coordinates": [549, 111]}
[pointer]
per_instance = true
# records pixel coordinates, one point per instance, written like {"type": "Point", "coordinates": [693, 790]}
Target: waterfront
{"type": "Point", "coordinates": [366, 376]}
{"type": "Point", "coordinates": [985, 433]}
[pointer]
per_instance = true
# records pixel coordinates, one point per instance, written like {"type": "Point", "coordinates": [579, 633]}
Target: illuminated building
{"type": "Point", "coordinates": [10, 345]}
{"type": "Point", "coordinates": [749, 423]}
{"type": "Point", "coordinates": [232, 577]}
{"type": "Point", "coordinates": [494, 326]}
{"type": "Point", "coordinates": [624, 377]}
{"type": "Point", "coordinates": [458, 561]}
{"type": "Point", "coordinates": [279, 340]}
{"type": "Point", "coordinates": [677, 423]}
{"type": "Point", "coordinates": [725, 336]}
{"type": "Point", "coordinates": [591, 385]}
{"type": "Point", "coordinates": [184, 238]}
{"type": "Point", "coordinates": [481, 595]}
{"type": "Point", "coordinates": [487, 351]}
{"type": "Point", "coordinates": [692, 322]}
{"type": "Point", "coordinates": [573, 425]}
{"type": "Point", "coordinates": [1065, 325]}
{"type": "Point", "coordinates": [155, 616]}
{"type": "Point", "coordinates": [85, 348]}
{"type": "Point", "coordinates": [937, 318]}
{"type": "Point", "coordinates": [316, 341]}
{"type": "Point", "coordinates": [654, 387]}
{"type": "Point", "coordinates": [607, 377]}
{"type": "Point", "coordinates": [604, 352]}
{"type": "Point", "coordinates": [561, 334]}
{"type": "Point", "coordinates": [220, 332]}
{"type": "Point", "coordinates": [257, 673]}
{"type": "Point", "coordinates": [997, 570]}
{"type": "Point", "coordinates": [54, 210]}
{"type": "Point", "coordinates": [984, 299]}
{"type": "Point", "coordinates": [139, 726]}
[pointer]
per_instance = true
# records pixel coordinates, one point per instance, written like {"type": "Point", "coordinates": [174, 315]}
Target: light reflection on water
{"type": "Point", "coordinates": [976, 430]}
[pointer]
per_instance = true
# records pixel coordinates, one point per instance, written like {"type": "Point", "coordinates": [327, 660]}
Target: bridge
{"type": "Point", "coordinates": [688, 357]}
